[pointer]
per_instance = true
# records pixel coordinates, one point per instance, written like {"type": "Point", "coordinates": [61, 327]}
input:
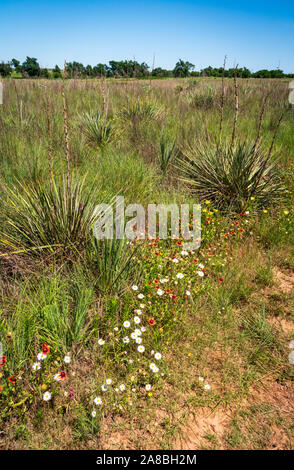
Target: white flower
{"type": "Point", "coordinates": [133, 335]}
{"type": "Point", "coordinates": [122, 387]}
{"type": "Point", "coordinates": [138, 311]}
{"type": "Point", "coordinates": [108, 381]}
{"type": "Point", "coordinates": [201, 379]}
{"type": "Point", "coordinates": [138, 332]}
{"type": "Point", "coordinates": [157, 356]}
{"type": "Point", "coordinates": [126, 324]}
{"type": "Point", "coordinates": [126, 339]}
{"type": "Point", "coordinates": [141, 349]}
{"type": "Point", "coordinates": [143, 329]}
{"type": "Point", "coordinates": [115, 328]}
{"type": "Point", "coordinates": [36, 366]}
{"type": "Point", "coordinates": [184, 253]}
{"type": "Point", "coordinates": [152, 352]}
{"type": "Point", "coordinates": [207, 387]}
{"type": "Point", "coordinates": [188, 293]}
{"type": "Point", "coordinates": [41, 356]}
{"type": "Point", "coordinates": [97, 401]}
{"type": "Point", "coordinates": [57, 378]}
{"type": "Point", "coordinates": [93, 413]}
{"type": "Point", "coordinates": [47, 396]}
{"type": "Point", "coordinates": [200, 273]}
{"type": "Point", "coordinates": [66, 359]}
{"type": "Point", "coordinates": [104, 388]}
{"type": "Point", "coordinates": [142, 305]}
{"type": "Point", "coordinates": [201, 266]}
{"type": "Point", "coordinates": [140, 296]}
{"type": "Point", "coordinates": [135, 287]}
{"type": "Point", "coordinates": [101, 341]}
{"type": "Point", "coordinates": [180, 275]}
{"type": "Point", "coordinates": [148, 387]}
{"type": "Point", "coordinates": [137, 320]}
{"type": "Point", "coordinates": [138, 340]}
{"type": "Point", "coordinates": [155, 370]}
{"type": "Point", "coordinates": [152, 365]}
{"type": "Point", "coordinates": [160, 292]}
{"type": "Point", "coordinates": [175, 260]}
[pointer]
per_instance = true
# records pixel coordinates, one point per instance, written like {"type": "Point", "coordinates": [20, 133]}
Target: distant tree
{"type": "Point", "coordinates": [57, 72]}
{"type": "Point", "coordinates": [16, 64]}
{"type": "Point", "coordinates": [44, 73]}
{"type": "Point", "coordinates": [159, 72]}
{"type": "Point", "coordinates": [30, 67]}
{"type": "Point", "coordinates": [5, 69]}
{"type": "Point", "coordinates": [75, 69]}
{"type": "Point", "coordinates": [101, 70]}
{"type": "Point", "coordinates": [183, 69]}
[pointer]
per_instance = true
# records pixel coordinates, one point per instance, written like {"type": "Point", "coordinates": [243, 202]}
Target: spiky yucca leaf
{"type": "Point", "coordinates": [113, 264]}
{"type": "Point", "coordinates": [142, 110]}
{"type": "Point", "coordinates": [98, 129]}
{"type": "Point", "coordinates": [38, 218]}
{"type": "Point", "coordinates": [168, 152]}
{"type": "Point", "coordinates": [229, 177]}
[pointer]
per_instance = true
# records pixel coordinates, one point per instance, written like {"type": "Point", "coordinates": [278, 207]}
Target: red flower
{"type": "Point", "coordinates": [151, 321]}
{"type": "Point", "coordinates": [45, 348]}
{"type": "Point", "coordinates": [3, 359]}
{"type": "Point", "coordinates": [62, 375]}
{"type": "Point", "coordinates": [12, 380]}
{"type": "Point", "coordinates": [220, 279]}
{"type": "Point", "coordinates": [179, 243]}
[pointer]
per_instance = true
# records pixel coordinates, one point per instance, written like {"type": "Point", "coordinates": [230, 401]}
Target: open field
{"type": "Point", "coordinates": [216, 322]}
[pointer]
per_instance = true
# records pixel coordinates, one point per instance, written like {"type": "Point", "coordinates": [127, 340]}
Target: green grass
{"type": "Point", "coordinates": [59, 286]}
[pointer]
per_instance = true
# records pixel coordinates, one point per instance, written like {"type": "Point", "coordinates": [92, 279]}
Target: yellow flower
{"type": "Point", "coordinates": [286, 212]}
{"type": "Point", "coordinates": [265, 211]}
{"type": "Point", "coordinates": [252, 198]}
{"type": "Point", "coordinates": [150, 394]}
{"type": "Point", "coordinates": [189, 354]}
{"type": "Point", "coordinates": [207, 202]}
{"type": "Point", "coordinates": [44, 387]}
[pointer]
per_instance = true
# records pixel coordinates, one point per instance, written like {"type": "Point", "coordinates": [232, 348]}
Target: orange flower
{"type": "Point", "coordinates": [151, 321]}
{"type": "Point", "coordinates": [12, 380]}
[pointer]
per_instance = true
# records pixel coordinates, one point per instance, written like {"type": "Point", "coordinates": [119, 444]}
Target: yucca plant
{"type": "Point", "coordinates": [62, 312]}
{"type": "Point", "coordinates": [201, 99]}
{"type": "Point", "coordinates": [39, 218]}
{"type": "Point", "coordinates": [230, 175]}
{"type": "Point", "coordinates": [142, 109]}
{"type": "Point", "coordinates": [168, 151]}
{"type": "Point", "coordinates": [98, 129]}
{"type": "Point", "coordinates": [113, 264]}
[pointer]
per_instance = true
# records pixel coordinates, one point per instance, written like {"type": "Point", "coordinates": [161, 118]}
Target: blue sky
{"type": "Point", "coordinates": [257, 34]}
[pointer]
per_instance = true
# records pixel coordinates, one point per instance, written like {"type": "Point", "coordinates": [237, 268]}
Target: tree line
{"type": "Point", "coordinates": [128, 69]}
